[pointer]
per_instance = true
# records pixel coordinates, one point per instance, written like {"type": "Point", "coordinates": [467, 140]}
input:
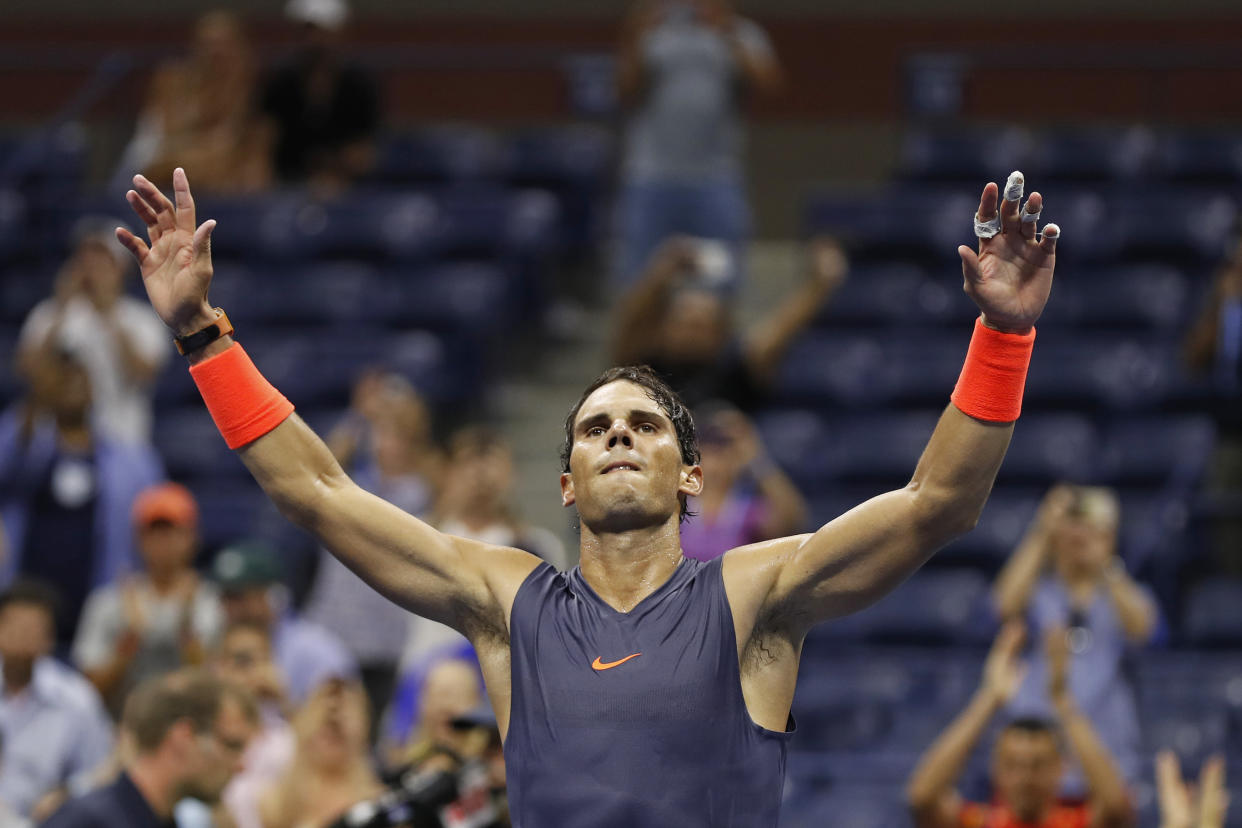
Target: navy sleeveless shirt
{"type": "Point", "coordinates": [634, 720]}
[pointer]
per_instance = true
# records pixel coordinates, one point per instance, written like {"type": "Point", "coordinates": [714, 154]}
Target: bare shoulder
{"type": "Point", "coordinates": [750, 574]}
{"type": "Point", "coordinates": [503, 570]}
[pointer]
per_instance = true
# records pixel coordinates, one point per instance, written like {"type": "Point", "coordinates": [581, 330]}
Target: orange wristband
{"type": "Point", "coordinates": [243, 404]}
{"type": "Point", "coordinates": [990, 386]}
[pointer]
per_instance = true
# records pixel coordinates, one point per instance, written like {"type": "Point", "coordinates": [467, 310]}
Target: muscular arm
{"type": "Point", "coordinates": [454, 581]}
{"type": "Point", "coordinates": [863, 554]}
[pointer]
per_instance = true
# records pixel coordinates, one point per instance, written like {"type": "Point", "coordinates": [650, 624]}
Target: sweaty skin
{"type": "Point", "coordinates": [626, 477]}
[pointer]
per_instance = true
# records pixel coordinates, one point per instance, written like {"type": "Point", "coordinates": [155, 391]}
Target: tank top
{"type": "Point", "coordinates": [621, 720]}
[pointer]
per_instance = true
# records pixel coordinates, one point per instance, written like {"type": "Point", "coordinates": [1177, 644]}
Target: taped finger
{"type": "Point", "coordinates": [987, 229]}
{"type": "Point", "coordinates": [1048, 239]}
{"type": "Point", "coordinates": [1027, 216]}
{"type": "Point", "coordinates": [1015, 186]}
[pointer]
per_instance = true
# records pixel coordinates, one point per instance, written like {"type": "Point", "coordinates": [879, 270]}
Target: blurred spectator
{"type": "Point", "coordinates": [156, 620]}
{"type": "Point", "coordinates": [244, 657]}
{"type": "Point", "coordinates": [1066, 573]}
{"type": "Point", "coordinates": [186, 733]}
{"type": "Point", "coordinates": [1027, 759]}
{"type": "Point", "coordinates": [331, 769]}
{"type": "Point", "coordinates": [118, 338]}
{"type": "Point", "coordinates": [1183, 807]}
{"type": "Point", "coordinates": [684, 67]}
{"type": "Point", "coordinates": [387, 435]}
{"type": "Point", "coordinates": [52, 722]}
{"type": "Point", "coordinates": [746, 497]}
{"type": "Point", "coordinates": [453, 787]}
{"type": "Point", "coordinates": [325, 108]}
{"type": "Point", "coordinates": [682, 329]}
{"type": "Point", "coordinates": [1213, 347]}
{"type": "Point", "coordinates": [476, 500]}
{"type": "Point", "coordinates": [305, 653]}
{"type": "Point", "coordinates": [452, 688]}
{"type": "Point", "coordinates": [65, 488]}
{"type": "Point", "coordinates": [200, 114]}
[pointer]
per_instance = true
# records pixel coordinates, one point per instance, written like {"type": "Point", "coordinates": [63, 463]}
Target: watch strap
{"type": "Point", "coordinates": [202, 338]}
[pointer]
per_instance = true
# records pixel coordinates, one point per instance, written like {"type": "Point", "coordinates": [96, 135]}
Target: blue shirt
{"type": "Point", "coordinates": [634, 719]}
{"type": "Point", "coordinates": [53, 730]}
{"type": "Point", "coordinates": [118, 804]}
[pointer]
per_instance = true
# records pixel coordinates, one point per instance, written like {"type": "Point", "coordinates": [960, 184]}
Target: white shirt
{"type": "Point", "coordinates": [121, 406]}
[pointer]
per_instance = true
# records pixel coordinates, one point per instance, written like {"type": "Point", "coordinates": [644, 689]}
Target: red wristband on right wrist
{"type": "Point", "coordinates": [243, 404]}
{"type": "Point", "coordinates": [994, 375]}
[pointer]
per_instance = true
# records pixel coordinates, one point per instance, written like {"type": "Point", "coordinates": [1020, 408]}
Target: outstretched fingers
{"type": "Point", "coordinates": [165, 213]}
{"type": "Point", "coordinates": [185, 202]}
{"type": "Point", "coordinates": [987, 219]}
{"type": "Point", "coordinates": [133, 244]}
{"type": "Point", "coordinates": [1015, 186]}
{"type": "Point", "coordinates": [1048, 244]}
{"type": "Point", "coordinates": [1030, 215]}
{"type": "Point", "coordinates": [202, 239]}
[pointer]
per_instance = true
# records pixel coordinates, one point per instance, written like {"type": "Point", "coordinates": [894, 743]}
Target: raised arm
{"type": "Point", "coordinates": [768, 341]}
{"type": "Point", "coordinates": [1018, 577]}
{"type": "Point", "coordinates": [642, 310]}
{"type": "Point", "coordinates": [1110, 803]}
{"type": "Point", "coordinates": [862, 555]}
{"type": "Point", "coordinates": [461, 583]}
{"type": "Point", "coordinates": [931, 793]}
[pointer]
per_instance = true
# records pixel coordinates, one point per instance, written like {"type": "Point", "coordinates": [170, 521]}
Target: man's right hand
{"type": "Point", "coordinates": [176, 265]}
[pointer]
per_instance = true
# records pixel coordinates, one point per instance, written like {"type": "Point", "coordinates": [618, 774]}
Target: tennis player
{"type": "Point", "coordinates": [641, 688]}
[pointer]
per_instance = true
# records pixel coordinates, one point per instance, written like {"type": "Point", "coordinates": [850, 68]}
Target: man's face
{"type": "Point", "coordinates": [166, 548]}
{"type": "Point", "coordinates": [217, 754]}
{"type": "Point", "coordinates": [1026, 772]}
{"type": "Point", "coordinates": [249, 605]}
{"type": "Point", "coordinates": [625, 468]}
{"type": "Point", "coordinates": [26, 634]}
{"type": "Point", "coordinates": [1083, 545]}
{"type": "Point", "coordinates": [244, 658]}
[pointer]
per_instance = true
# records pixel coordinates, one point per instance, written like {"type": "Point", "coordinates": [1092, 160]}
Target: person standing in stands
{"type": "Point", "coordinates": [1066, 573]}
{"type": "Point", "coordinates": [325, 108]}
{"type": "Point", "coordinates": [156, 620]}
{"type": "Point", "coordinates": [66, 489]}
{"type": "Point", "coordinates": [1027, 759]}
{"type": "Point", "coordinates": [685, 68]}
{"type": "Point", "coordinates": [116, 337]}
{"type": "Point", "coordinates": [682, 328]}
{"type": "Point", "coordinates": [694, 663]}
{"type": "Point", "coordinates": [187, 732]}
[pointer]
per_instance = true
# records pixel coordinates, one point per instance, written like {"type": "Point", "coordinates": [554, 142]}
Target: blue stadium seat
{"type": "Point", "coordinates": [1154, 450]}
{"type": "Point", "coordinates": [1113, 373]}
{"type": "Point", "coordinates": [1192, 226]}
{"type": "Point", "coordinates": [848, 371]}
{"type": "Point", "coordinates": [1050, 447]}
{"type": "Point", "coordinates": [1097, 154]}
{"type": "Point", "coordinates": [975, 156]}
{"type": "Point", "coordinates": [477, 297]}
{"type": "Point", "coordinates": [894, 293]}
{"type": "Point", "coordinates": [797, 439]}
{"type": "Point", "coordinates": [933, 607]}
{"type": "Point", "coordinates": [439, 154]}
{"type": "Point", "coordinates": [1214, 614]}
{"type": "Point", "coordinates": [1214, 159]}
{"type": "Point", "coordinates": [1005, 518]}
{"type": "Point", "coordinates": [560, 158]}
{"type": "Point", "coordinates": [12, 224]}
{"type": "Point", "coordinates": [855, 807]}
{"type": "Point", "coordinates": [192, 447]}
{"type": "Point", "coordinates": [227, 511]}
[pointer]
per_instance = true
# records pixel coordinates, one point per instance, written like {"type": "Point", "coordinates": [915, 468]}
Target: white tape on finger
{"type": "Point", "coordinates": [987, 229]}
{"type": "Point", "coordinates": [1015, 186]}
{"type": "Point", "coordinates": [1051, 231]}
{"type": "Point", "coordinates": [1029, 217]}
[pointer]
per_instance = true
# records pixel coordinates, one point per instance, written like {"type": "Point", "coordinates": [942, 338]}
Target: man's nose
{"type": "Point", "coordinates": [620, 433]}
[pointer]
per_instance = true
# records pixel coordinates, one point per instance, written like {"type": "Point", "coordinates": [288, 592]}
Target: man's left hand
{"type": "Point", "coordinates": [1010, 276]}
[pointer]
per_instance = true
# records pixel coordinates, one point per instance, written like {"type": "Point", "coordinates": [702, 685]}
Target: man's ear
{"type": "Point", "coordinates": [567, 489]}
{"type": "Point", "coordinates": [691, 481]}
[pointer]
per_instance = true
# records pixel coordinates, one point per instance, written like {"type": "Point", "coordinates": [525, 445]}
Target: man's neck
{"type": "Point", "coordinates": [152, 780]}
{"type": "Point", "coordinates": [17, 679]}
{"type": "Point", "coordinates": [625, 567]}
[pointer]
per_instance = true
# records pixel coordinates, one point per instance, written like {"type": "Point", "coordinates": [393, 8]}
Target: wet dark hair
{"type": "Point", "coordinates": [660, 393]}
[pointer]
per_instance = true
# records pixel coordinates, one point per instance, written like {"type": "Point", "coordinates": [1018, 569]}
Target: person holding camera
{"type": "Point", "coordinates": [1066, 572]}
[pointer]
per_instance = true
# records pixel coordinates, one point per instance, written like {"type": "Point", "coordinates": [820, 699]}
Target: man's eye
{"type": "Point", "coordinates": [648, 427]}
{"type": "Point", "coordinates": [595, 432]}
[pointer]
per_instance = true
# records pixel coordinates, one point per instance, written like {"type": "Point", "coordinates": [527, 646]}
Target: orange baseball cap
{"type": "Point", "coordinates": [169, 502]}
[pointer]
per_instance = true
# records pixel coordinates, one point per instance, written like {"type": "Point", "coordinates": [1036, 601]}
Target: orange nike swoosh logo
{"type": "Point", "coordinates": [608, 665]}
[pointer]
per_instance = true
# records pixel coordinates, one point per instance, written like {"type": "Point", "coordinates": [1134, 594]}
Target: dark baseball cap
{"type": "Point", "coordinates": [246, 564]}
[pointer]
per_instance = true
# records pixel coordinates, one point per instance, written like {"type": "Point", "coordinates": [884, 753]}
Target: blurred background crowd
{"type": "Point", "coordinates": [437, 224]}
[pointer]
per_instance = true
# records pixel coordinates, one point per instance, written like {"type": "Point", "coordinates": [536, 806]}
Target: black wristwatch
{"type": "Point", "coordinates": [201, 339]}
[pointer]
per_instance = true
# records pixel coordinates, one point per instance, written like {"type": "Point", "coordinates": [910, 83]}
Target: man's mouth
{"type": "Point", "coordinates": [620, 466]}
